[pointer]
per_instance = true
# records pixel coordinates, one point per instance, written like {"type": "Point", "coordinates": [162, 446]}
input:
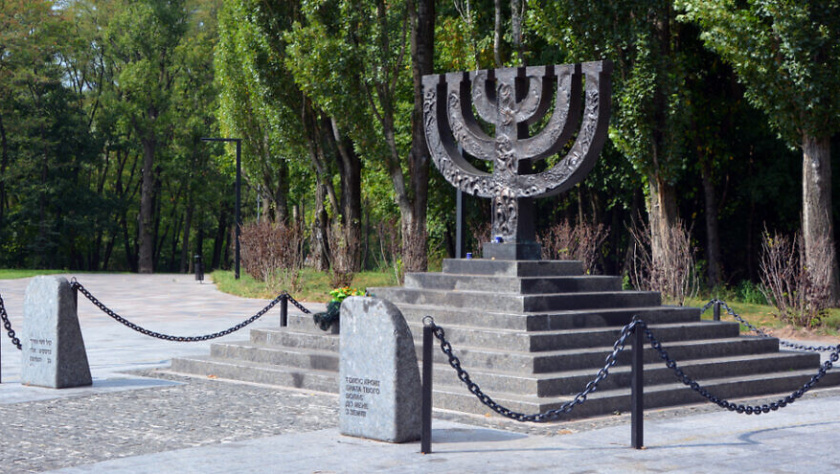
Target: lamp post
{"type": "Point", "coordinates": [238, 191]}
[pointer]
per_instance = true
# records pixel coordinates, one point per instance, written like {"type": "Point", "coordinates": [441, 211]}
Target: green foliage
{"type": "Point", "coordinates": [749, 292]}
{"type": "Point", "coordinates": [786, 53]}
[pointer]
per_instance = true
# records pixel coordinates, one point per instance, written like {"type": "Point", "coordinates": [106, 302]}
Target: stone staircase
{"type": "Point", "coordinates": [531, 334]}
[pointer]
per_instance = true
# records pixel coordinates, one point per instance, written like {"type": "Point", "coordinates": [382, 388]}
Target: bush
{"type": "Point", "coordinates": [750, 293]}
{"type": "Point", "coordinates": [581, 242]}
{"type": "Point", "coordinates": [799, 294]}
{"type": "Point", "coordinates": [674, 273]}
{"type": "Point", "coordinates": [273, 253]}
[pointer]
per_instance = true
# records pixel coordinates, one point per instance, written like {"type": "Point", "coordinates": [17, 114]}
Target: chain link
{"type": "Point", "coordinates": [550, 415]}
{"type": "Point", "coordinates": [791, 345]}
{"type": "Point", "coordinates": [740, 408]}
{"type": "Point", "coordinates": [78, 286]}
{"type": "Point", "coordinates": [8, 324]}
{"type": "Point", "coordinates": [296, 303]}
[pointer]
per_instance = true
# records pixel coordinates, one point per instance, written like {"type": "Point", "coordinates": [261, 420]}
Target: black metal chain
{"type": "Point", "coordinates": [792, 345]}
{"type": "Point", "coordinates": [296, 303]}
{"type": "Point", "coordinates": [78, 286]}
{"type": "Point", "coordinates": [8, 325]}
{"type": "Point", "coordinates": [740, 408]}
{"type": "Point", "coordinates": [550, 415]}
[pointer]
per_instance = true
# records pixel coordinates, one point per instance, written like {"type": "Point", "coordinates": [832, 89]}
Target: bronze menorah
{"type": "Point", "coordinates": [511, 100]}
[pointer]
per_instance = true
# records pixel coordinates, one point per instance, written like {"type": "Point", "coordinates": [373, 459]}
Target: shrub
{"type": "Point", "coordinates": [671, 272]}
{"type": "Point", "coordinates": [582, 242]}
{"type": "Point", "coordinates": [273, 253]}
{"type": "Point", "coordinates": [799, 294]}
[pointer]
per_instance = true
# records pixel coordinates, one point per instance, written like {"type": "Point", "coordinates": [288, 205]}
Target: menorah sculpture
{"type": "Point", "coordinates": [510, 100]}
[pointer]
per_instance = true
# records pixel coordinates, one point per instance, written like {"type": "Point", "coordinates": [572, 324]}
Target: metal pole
{"type": "Point", "coordinates": [717, 311]}
{"type": "Point", "coordinates": [460, 241]}
{"type": "Point", "coordinates": [284, 312]}
{"type": "Point", "coordinates": [426, 407]}
{"type": "Point", "coordinates": [637, 395]}
{"type": "Point", "coordinates": [238, 200]}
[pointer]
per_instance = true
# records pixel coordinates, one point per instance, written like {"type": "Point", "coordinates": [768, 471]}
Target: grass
{"type": "Point", "coordinates": [762, 316]}
{"type": "Point", "coordinates": [17, 274]}
{"type": "Point", "coordinates": [315, 285]}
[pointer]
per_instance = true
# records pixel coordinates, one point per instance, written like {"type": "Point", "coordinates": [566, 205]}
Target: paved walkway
{"type": "Point", "coordinates": [149, 421]}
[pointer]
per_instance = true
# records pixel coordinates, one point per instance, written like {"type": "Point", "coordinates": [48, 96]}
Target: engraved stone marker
{"type": "Point", "coordinates": [53, 350]}
{"type": "Point", "coordinates": [510, 100]}
{"type": "Point", "coordinates": [379, 381]}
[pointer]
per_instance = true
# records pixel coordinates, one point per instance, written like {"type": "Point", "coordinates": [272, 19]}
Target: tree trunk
{"type": "Point", "coordinates": [497, 33]}
{"type": "Point", "coordinates": [817, 222]}
{"type": "Point", "coordinates": [185, 242]}
{"type": "Point", "coordinates": [516, 12]}
{"type": "Point", "coordinates": [415, 256]}
{"type": "Point", "coordinates": [147, 238]}
{"type": "Point", "coordinates": [4, 162]}
{"type": "Point", "coordinates": [218, 241]}
{"type": "Point", "coordinates": [351, 197]}
{"type": "Point", "coordinates": [712, 226]}
{"type": "Point", "coordinates": [662, 214]}
{"type": "Point", "coordinates": [320, 242]}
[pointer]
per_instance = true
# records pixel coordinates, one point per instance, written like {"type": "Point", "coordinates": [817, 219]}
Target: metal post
{"type": "Point", "coordinates": [199, 269]}
{"type": "Point", "coordinates": [717, 311]}
{"type": "Point", "coordinates": [426, 407]}
{"type": "Point", "coordinates": [238, 200]}
{"type": "Point", "coordinates": [460, 240]}
{"type": "Point", "coordinates": [284, 312]}
{"type": "Point", "coordinates": [637, 395]}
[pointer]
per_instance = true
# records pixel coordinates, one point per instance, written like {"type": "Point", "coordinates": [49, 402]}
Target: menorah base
{"type": "Point", "coordinates": [512, 251]}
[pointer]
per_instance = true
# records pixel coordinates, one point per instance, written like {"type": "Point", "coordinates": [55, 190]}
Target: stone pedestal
{"type": "Point", "coordinates": [379, 381]}
{"type": "Point", "coordinates": [53, 350]}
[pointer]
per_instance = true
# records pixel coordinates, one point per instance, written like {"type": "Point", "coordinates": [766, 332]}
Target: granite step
{"type": "Point", "coordinates": [280, 356]}
{"type": "Point", "coordinates": [585, 358]}
{"type": "Point", "coordinates": [779, 384]}
{"type": "Point", "coordinates": [540, 321]}
{"type": "Point", "coordinates": [291, 338]}
{"type": "Point", "coordinates": [269, 374]}
{"type": "Point", "coordinates": [515, 285]}
{"type": "Point", "coordinates": [477, 300]}
{"type": "Point", "coordinates": [655, 372]}
{"type": "Point", "coordinates": [539, 341]}
{"type": "Point", "coordinates": [512, 268]}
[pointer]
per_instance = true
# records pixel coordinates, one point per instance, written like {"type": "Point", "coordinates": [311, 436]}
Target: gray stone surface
{"type": "Point", "coordinates": [379, 382]}
{"type": "Point", "coordinates": [53, 349]}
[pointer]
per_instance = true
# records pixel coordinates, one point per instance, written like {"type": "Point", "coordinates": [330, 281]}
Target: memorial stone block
{"type": "Point", "coordinates": [53, 350]}
{"type": "Point", "coordinates": [379, 379]}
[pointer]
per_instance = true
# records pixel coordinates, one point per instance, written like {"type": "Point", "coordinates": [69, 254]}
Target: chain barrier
{"type": "Point", "coordinates": [791, 345]}
{"type": "Point", "coordinates": [8, 324]}
{"type": "Point", "coordinates": [740, 408]}
{"type": "Point", "coordinates": [550, 415]}
{"type": "Point", "coordinates": [78, 286]}
{"type": "Point", "coordinates": [296, 303]}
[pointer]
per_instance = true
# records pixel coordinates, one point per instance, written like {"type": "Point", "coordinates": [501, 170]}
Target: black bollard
{"type": "Point", "coordinates": [426, 407]}
{"type": "Point", "coordinates": [637, 396]}
{"type": "Point", "coordinates": [199, 271]}
{"type": "Point", "coordinates": [284, 311]}
{"type": "Point", "coordinates": [717, 311]}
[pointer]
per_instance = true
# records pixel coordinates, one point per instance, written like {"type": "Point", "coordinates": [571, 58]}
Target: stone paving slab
{"type": "Point", "coordinates": [173, 304]}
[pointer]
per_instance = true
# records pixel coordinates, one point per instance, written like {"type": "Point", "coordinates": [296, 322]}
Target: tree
{"type": "Point", "coordinates": [350, 57]}
{"type": "Point", "coordinates": [145, 37]}
{"type": "Point", "coordinates": [787, 55]}
{"type": "Point", "coordinates": [648, 126]}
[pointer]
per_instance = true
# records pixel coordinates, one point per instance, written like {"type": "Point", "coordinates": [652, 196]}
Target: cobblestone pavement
{"type": "Point", "coordinates": [65, 432]}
